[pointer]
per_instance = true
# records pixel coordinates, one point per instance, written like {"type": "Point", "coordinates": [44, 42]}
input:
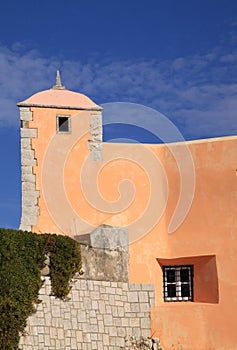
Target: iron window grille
{"type": "Point", "coordinates": [178, 283]}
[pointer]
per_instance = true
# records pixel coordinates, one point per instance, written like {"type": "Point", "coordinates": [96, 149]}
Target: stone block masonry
{"type": "Point", "coordinates": [30, 209]}
{"type": "Point", "coordinates": [99, 315]}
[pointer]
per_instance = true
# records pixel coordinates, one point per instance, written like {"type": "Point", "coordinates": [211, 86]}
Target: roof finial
{"type": "Point", "coordinates": [58, 85]}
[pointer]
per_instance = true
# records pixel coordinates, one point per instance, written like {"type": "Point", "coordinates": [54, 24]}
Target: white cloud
{"type": "Point", "coordinates": [198, 92]}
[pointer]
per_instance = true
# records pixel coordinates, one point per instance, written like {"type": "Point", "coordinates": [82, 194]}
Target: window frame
{"type": "Point", "coordinates": [68, 117]}
{"type": "Point", "coordinates": [178, 283]}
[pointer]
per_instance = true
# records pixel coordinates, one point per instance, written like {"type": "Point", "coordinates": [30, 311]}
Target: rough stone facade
{"type": "Point", "coordinates": [95, 142]}
{"type": "Point", "coordinates": [105, 254]}
{"type": "Point", "coordinates": [30, 208]}
{"type": "Point", "coordinates": [103, 264]}
{"type": "Point", "coordinates": [100, 315]}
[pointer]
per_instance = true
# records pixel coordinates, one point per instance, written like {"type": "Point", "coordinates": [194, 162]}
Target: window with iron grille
{"type": "Point", "coordinates": [178, 283]}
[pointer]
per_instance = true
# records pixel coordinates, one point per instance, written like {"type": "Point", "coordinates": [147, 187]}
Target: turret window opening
{"type": "Point", "coordinates": [63, 124]}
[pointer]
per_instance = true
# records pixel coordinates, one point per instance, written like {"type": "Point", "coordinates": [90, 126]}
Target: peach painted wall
{"type": "Point", "coordinates": [207, 237]}
{"type": "Point", "coordinates": [210, 229]}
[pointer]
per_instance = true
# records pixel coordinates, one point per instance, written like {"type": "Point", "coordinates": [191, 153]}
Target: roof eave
{"type": "Point", "coordinates": [95, 108]}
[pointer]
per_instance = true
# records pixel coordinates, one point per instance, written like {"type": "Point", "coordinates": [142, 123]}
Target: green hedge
{"type": "Point", "coordinates": [22, 256]}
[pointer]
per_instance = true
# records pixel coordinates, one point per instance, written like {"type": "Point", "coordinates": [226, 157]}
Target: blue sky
{"type": "Point", "coordinates": [178, 57]}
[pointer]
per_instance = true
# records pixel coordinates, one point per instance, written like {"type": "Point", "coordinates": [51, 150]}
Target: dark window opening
{"type": "Point", "coordinates": [63, 124]}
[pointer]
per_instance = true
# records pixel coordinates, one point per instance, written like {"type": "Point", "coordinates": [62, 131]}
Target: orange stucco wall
{"type": "Point", "coordinates": [207, 237]}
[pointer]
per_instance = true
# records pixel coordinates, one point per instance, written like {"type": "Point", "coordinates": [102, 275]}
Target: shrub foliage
{"type": "Point", "coordinates": [22, 256]}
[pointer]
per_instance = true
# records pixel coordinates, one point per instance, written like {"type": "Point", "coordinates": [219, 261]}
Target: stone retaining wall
{"type": "Point", "coordinates": [100, 315]}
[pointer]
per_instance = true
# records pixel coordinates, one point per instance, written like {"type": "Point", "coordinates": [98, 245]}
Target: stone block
{"type": "Point", "coordinates": [108, 309]}
{"type": "Point", "coordinates": [93, 320]}
{"type": "Point", "coordinates": [27, 220]}
{"type": "Point", "coordinates": [92, 313]}
{"type": "Point", "coordinates": [108, 321]}
{"type": "Point", "coordinates": [27, 132]}
{"type": "Point", "coordinates": [30, 211]}
{"type": "Point", "coordinates": [114, 311]}
{"type": "Point", "coordinates": [121, 332]}
{"type": "Point", "coordinates": [100, 346]}
{"type": "Point", "coordinates": [28, 178]}
{"type": "Point", "coordinates": [26, 169]}
{"type": "Point", "coordinates": [24, 109]}
{"type": "Point", "coordinates": [143, 297]}
{"type": "Point", "coordinates": [127, 307]}
{"type": "Point", "coordinates": [121, 311]}
{"type": "Point", "coordinates": [28, 186]}
{"type": "Point", "coordinates": [112, 331]}
{"type": "Point", "coordinates": [90, 285]}
{"type": "Point", "coordinates": [110, 290]}
{"type": "Point", "coordinates": [30, 199]}
{"type": "Point", "coordinates": [97, 156]}
{"type": "Point", "coordinates": [134, 322]}
{"type": "Point", "coordinates": [102, 306]}
{"type": "Point", "coordinates": [144, 307]}
{"type": "Point", "coordinates": [60, 333]}
{"type": "Point", "coordinates": [27, 157]}
{"type": "Point", "coordinates": [87, 303]}
{"type": "Point", "coordinates": [28, 154]}
{"type": "Point", "coordinates": [96, 134]}
{"type": "Point", "coordinates": [135, 307]}
{"type": "Point", "coordinates": [82, 285]}
{"type": "Point", "coordinates": [146, 332]}
{"type": "Point", "coordinates": [106, 339]}
{"type": "Point", "coordinates": [26, 115]}
{"type": "Point", "coordinates": [132, 297]}
{"type": "Point", "coordinates": [152, 301]}
{"type": "Point", "coordinates": [145, 323]}
{"type": "Point", "coordinates": [94, 305]}
{"type": "Point", "coordinates": [93, 345]}
{"type": "Point", "coordinates": [75, 295]}
{"type": "Point", "coordinates": [95, 295]}
{"type": "Point", "coordinates": [134, 286]}
{"type": "Point", "coordinates": [96, 120]}
{"type": "Point", "coordinates": [94, 328]}
{"type": "Point", "coordinates": [148, 287]}
{"type": "Point", "coordinates": [73, 344]}
{"type": "Point", "coordinates": [25, 227]}
{"type": "Point", "coordinates": [109, 237]}
{"type": "Point", "coordinates": [125, 322]}
{"type": "Point", "coordinates": [94, 337]}
{"type": "Point", "coordinates": [40, 330]}
{"type": "Point", "coordinates": [105, 283]}
{"type": "Point", "coordinates": [120, 342]}
{"type": "Point", "coordinates": [26, 144]}
{"type": "Point", "coordinates": [101, 327]}
{"type": "Point", "coordinates": [56, 312]}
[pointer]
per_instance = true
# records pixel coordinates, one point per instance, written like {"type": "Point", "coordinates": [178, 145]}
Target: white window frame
{"type": "Point", "coordinates": [177, 283]}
